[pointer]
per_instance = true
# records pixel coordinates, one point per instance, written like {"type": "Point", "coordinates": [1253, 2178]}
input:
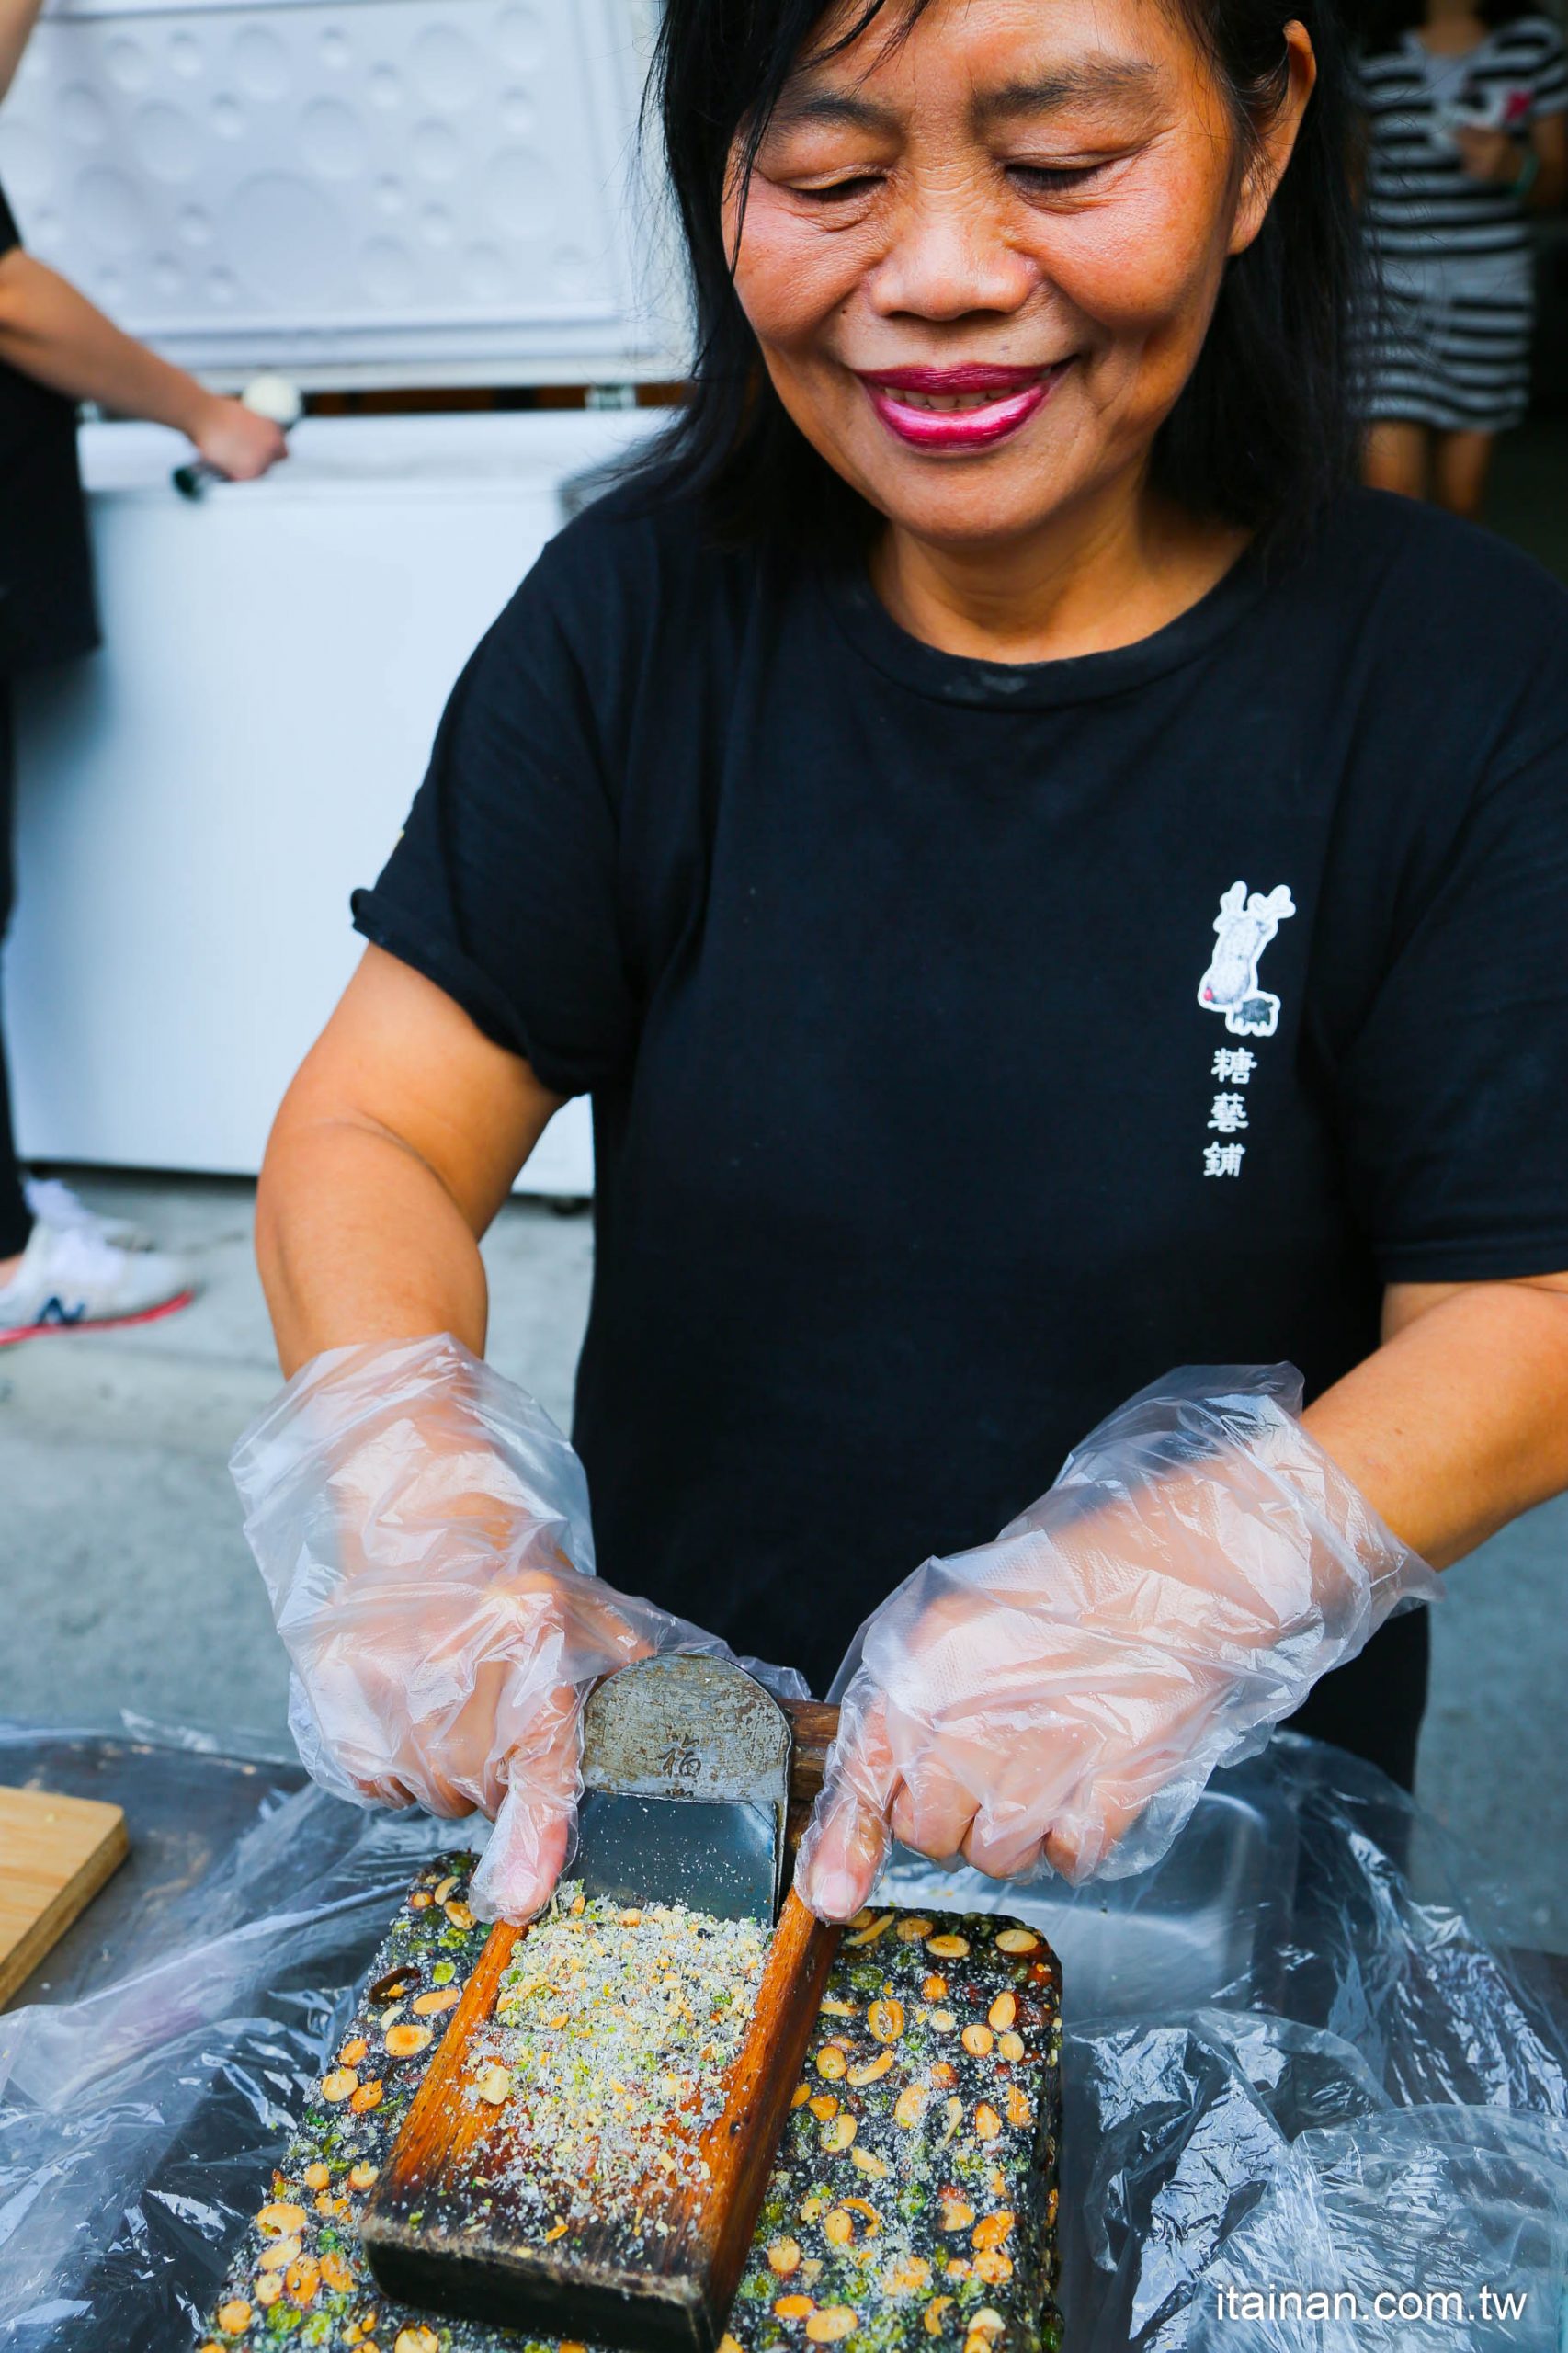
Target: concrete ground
{"type": "Point", "coordinates": [127, 1583]}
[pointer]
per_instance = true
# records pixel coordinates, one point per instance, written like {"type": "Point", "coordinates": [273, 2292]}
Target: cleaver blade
{"type": "Point", "coordinates": [686, 1789]}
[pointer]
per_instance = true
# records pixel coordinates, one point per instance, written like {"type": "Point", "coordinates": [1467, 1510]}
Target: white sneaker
{"type": "Point", "coordinates": [73, 1278]}
{"type": "Point", "coordinates": [54, 1203]}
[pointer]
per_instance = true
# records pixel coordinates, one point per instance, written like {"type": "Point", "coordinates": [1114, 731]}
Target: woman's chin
{"type": "Point", "coordinates": [963, 517]}
{"type": "Point", "coordinates": [984, 501]}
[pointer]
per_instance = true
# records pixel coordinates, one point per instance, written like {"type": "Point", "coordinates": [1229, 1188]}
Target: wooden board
{"type": "Point", "coordinates": [669, 2285]}
{"type": "Point", "coordinates": [55, 1853]}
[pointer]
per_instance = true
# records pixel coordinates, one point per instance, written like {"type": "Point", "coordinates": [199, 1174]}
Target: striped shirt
{"type": "Point", "coordinates": [1421, 204]}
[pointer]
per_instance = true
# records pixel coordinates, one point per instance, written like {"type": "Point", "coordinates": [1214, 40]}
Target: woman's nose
{"type": "Point", "coordinates": [948, 258]}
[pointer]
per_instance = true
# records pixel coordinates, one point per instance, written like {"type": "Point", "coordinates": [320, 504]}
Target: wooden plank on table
{"type": "Point", "coordinates": [426, 2240]}
{"type": "Point", "coordinates": [55, 1853]}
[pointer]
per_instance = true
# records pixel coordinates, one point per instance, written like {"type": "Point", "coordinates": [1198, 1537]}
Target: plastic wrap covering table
{"type": "Point", "coordinates": [1283, 2072]}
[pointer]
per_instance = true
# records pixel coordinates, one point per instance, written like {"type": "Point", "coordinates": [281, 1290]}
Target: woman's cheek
{"type": "Point", "coordinates": [793, 275]}
{"type": "Point", "coordinates": [1147, 268]}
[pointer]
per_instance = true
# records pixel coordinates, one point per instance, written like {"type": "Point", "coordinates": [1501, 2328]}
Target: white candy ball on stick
{"type": "Point", "coordinates": [275, 397]}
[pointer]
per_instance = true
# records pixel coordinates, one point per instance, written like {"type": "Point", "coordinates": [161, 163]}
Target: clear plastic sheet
{"type": "Point", "coordinates": [1284, 2071]}
{"type": "Point", "coordinates": [139, 2120]}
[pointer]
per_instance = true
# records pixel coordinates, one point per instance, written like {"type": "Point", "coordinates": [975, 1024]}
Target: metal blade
{"type": "Point", "coordinates": [685, 1772]}
{"type": "Point", "coordinates": [715, 1857]}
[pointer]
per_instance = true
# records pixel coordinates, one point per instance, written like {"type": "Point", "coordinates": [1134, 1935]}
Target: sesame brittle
{"type": "Point", "coordinates": [913, 2198]}
{"type": "Point", "coordinates": [912, 2203]}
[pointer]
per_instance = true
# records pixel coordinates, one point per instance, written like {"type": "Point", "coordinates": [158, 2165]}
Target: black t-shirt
{"type": "Point", "coordinates": [971, 1045]}
{"type": "Point", "coordinates": [46, 581]}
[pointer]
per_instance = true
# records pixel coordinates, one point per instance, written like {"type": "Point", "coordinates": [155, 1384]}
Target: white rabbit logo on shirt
{"type": "Point", "coordinates": [1244, 926]}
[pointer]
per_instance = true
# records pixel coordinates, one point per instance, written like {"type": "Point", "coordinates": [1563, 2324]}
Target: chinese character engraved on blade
{"type": "Point", "coordinates": [1243, 927]}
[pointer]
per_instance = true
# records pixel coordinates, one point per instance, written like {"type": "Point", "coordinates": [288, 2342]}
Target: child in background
{"type": "Point", "coordinates": [1465, 111]}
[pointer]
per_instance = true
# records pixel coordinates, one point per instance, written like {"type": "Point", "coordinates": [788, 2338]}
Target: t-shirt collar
{"type": "Point", "coordinates": [1033, 685]}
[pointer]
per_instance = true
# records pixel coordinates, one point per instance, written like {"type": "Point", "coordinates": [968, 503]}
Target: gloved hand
{"type": "Point", "coordinates": [1066, 1692]}
{"type": "Point", "coordinates": [422, 1529]}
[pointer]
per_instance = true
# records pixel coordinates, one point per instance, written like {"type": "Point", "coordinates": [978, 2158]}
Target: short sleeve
{"type": "Point", "coordinates": [503, 888]}
{"type": "Point", "coordinates": [1455, 1094]}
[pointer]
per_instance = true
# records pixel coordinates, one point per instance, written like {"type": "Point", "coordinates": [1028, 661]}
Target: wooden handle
{"type": "Point", "coordinates": [740, 2148]}
{"type": "Point", "coordinates": [430, 2238]}
{"type": "Point", "coordinates": [815, 1726]}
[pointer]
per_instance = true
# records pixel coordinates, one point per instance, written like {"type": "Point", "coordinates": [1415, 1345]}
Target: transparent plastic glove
{"type": "Point", "coordinates": [422, 1527]}
{"type": "Point", "coordinates": [1064, 1694]}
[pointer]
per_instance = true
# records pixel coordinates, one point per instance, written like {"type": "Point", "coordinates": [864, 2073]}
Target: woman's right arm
{"type": "Point", "coordinates": [422, 1524]}
{"type": "Point", "coordinates": [396, 1145]}
{"type": "Point", "coordinates": [51, 332]}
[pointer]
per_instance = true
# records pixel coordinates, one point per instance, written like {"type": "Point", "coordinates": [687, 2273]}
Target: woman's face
{"type": "Point", "coordinates": [979, 261]}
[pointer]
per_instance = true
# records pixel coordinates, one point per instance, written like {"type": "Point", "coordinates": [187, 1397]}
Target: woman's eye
{"type": "Point", "coordinates": [1051, 179]}
{"type": "Point", "coordinates": [841, 191]}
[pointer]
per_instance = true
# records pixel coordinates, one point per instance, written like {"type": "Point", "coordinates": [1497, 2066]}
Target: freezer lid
{"type": "Point", "coordinates": [387, 192]}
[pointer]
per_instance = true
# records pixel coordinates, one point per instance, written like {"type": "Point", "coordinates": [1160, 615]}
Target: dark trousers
{"type": "Point", "coordinates": [16, 1220]}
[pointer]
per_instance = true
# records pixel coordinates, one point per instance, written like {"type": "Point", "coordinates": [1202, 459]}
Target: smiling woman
{"type": "Point", "coordinates": [991, 818]}
{"type": "Point", "coordinates": [1094, 192]}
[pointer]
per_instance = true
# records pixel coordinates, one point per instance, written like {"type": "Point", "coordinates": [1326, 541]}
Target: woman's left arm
{"type": "Point", "coordinates": [17, 18]}
{"type": "Point", "coordinates": [1458, 1422]}
{"type": "Point", "coordinates": [1536, 165]}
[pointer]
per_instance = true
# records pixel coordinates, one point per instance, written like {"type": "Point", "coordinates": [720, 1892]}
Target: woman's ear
{"type": "Point", "coordinates": [1275, 138]}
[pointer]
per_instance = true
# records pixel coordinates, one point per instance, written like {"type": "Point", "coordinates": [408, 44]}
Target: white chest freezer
{"type": "Point", "coordinates": [198, 800]}
{"type": "Point", "coordinates": [386, 192]}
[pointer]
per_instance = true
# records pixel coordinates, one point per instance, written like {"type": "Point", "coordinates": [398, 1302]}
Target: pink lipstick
{"type": "Point", "coordinates": [958, 408]}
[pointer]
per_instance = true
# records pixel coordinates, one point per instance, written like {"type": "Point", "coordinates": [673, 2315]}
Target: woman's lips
{"type": "Point", "coordinates": [959, 408]}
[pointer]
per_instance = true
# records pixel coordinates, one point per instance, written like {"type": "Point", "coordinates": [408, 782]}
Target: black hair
{"type": "Point", "coordinates": [1262, 435]}
{"type": "Point", "coordinates": [1384, 22]}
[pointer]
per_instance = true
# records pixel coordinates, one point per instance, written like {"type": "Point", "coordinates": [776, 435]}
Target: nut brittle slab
{"type": "Point", "coordinates": [912, 2202]}
{"type": "Point", "coordinates": [914, 2196]}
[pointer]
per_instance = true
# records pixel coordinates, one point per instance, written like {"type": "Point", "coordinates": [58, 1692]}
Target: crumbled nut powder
{"type": "Point", "coordinates": [614, 2026]}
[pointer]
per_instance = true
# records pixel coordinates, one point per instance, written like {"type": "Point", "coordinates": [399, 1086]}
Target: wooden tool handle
{"type": "Point", "coordinates": [815, 1724]}
{"type": "Point", "coordinates": [740, 2148]}
{"type": "Point", "coordinates": [430, 2238]}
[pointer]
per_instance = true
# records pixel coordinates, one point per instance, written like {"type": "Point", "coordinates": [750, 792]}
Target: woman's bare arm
{"type": "Point", "coordinates": [1460, 1421]}
{"type": "Point", "coordinates": [50, 331]}
{"type": "Point", "coordinates": [395, 1146]}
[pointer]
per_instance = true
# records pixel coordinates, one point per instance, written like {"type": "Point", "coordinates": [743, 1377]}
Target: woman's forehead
{"type": "Point", "coordinates": [1000, 59]}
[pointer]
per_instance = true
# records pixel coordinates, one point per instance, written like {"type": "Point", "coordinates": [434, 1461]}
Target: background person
{"type": "Point", "coordinates": [1465, 110]}
{"type": "Point", "coordinates": [995, 822]}
{"type": "Point", "coordinates": [60, 1268]}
